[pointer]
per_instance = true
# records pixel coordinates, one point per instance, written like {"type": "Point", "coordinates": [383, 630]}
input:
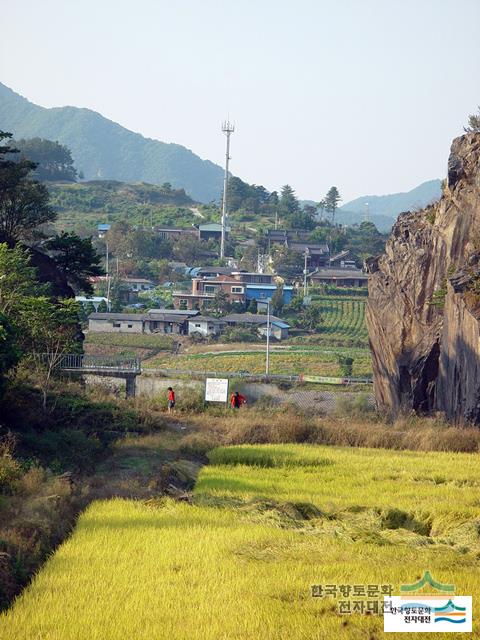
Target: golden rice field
{"type": "Point", "coordinates": [266, 523]}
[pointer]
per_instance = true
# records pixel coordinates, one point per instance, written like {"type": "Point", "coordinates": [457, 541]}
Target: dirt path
{"type": "Point", "coordinates": [146, 466]}
{"type": "Point", "coordinates": [197, 213]}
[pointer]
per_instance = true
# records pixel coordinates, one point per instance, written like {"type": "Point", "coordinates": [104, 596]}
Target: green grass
{"type": "Point", "coordinates": [267, 522]}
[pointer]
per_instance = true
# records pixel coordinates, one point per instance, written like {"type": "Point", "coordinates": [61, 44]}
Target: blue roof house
{"type": "Point", "coordinates": [263, 293]}
{"type": "Point", "coordinates": [102, 229]}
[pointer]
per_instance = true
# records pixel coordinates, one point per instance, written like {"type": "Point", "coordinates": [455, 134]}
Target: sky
{"type": "Point", "coordinates": [362, 94]}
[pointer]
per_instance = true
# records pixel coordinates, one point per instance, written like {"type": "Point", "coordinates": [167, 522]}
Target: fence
{"type": "Point", "coordinates": [73, 361]}
{"type": "Point", "coordinates": [245, 375]}
{"type": "Point", "coordinates": [274, 392]}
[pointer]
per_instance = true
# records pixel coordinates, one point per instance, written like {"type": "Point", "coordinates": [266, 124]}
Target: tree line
{"type": "Point", "coordinates": [40, 272]}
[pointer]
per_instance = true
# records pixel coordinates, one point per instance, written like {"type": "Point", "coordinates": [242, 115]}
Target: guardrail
{"type": "Point", "coordinates": [77, 362]}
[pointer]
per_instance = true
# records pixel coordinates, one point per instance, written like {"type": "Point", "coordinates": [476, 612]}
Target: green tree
{"type": "Point", "coordinates": [286, 262]}
{"type": "Point", "coordinates": [23, 202]}
{"type": "Point", "coordinates": [188, 249]}
{"type": "Point", "coordinates": [76, 259]}
{"type": "Point", "coordinates": [301, 219]}
{"type": "Point", "coordinates": [220, 303]}
{"type": "Point", "coordinates": [253, 306]}
{"type": "Point", "coordinates": [346, 366]}
{"type": "Point", "coordinates": [321, 206]}
{"type": "Point", "coordinates": [310, 318]}
{"type": "Point", "coordinates": [118, 295]}
{"type": "Point", "coordinates": [277, 300]}
{"type": "Point", "coordinates": [54, 161]}
{"type": "Point", "coordinates": [89, 308]}
{"type": "Point", "coordinates": [9, 349]}
{"type": "Point", "coordinates": [331, 202]}
{"type": "Point", "coordinates": [49, 330]}
{"type": "Point", "coordinates": [474, 122]}
{"type": "Point", "coordinates": [17, 279]}
{"type": "Point", "coordinates": [288, 204]}
{"type": "Point", "coordinates": [117, 238]}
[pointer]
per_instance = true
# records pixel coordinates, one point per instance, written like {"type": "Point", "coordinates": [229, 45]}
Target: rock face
{"type": "Point", "coordinates": [423, 310]}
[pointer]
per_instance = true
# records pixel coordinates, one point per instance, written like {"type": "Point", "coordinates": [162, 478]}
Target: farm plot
{"type": "Point", "coordinates": [343, 318]}
{"type": "Point", "coordinates": [266, 523]}
{"type": "Point", "coordinates": [134, 344]}
{"type": "Point", "coordinates": [289, 361]}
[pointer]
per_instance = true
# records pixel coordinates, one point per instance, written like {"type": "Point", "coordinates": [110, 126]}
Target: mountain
{"type": "Point", "coordinates": [102, 149]}
{"type": "Point", "coordinates": [391, 205]}
{"type": "Point", "coordinates": [383, 223]}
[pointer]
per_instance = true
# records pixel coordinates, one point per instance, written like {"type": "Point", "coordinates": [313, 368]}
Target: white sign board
{"type": "Point", "coordinates": [216, 390]}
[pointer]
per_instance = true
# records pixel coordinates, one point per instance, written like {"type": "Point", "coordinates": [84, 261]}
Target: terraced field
{"type": "Point", "coordinates": [265, 523]}
{"type": "Point", "coordinates": [343, 318]}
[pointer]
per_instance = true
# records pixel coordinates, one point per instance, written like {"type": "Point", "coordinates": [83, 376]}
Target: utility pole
{"type": "Point", "coordinates": [108, 278]}
{"type": "Point", "coordinates": [276, 220]}
{"type": "Point", "coordinates": [267, 360]}
{"type": "Point", "coordinates": [305, 272]}
{"type": "Point", "coordinates": [227, 129]}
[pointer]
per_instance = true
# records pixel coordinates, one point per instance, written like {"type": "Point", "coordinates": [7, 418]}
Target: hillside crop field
{"type": "Point", "coordinates": [343, 318]}
{"type": "Point", "coordinates": [294, 360]}
{"type": "Point", "coordinates": [266, 523]}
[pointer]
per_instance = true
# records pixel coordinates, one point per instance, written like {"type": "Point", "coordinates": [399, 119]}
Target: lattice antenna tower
{"type": "Point", "coordinates": [228, 128]}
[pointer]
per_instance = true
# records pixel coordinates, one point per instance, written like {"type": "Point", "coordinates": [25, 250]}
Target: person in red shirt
{"type": "Point", "coordinates": [237, 400]}
{"type": "Point", "coordinates": [171, 399]}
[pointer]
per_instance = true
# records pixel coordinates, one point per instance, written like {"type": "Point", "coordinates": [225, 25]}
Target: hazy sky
{"type": "Point", "coordinates": [363, 94]}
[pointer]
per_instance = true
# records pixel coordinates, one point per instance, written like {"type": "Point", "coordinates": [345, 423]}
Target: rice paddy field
{"type": "Point", "coordinates": [290, 360]}
{"type": "Point", "coordinates": [265, 524]}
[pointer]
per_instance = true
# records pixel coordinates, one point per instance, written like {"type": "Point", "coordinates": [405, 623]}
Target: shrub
{"type": "Point", "coordinates": [353, 405]}
{"type": "Point", "coordinates": [10, 472]}
{"type": "Point", "coordinates": [240, 334]}
{"type": "Point", "coordinates": [67, 449]}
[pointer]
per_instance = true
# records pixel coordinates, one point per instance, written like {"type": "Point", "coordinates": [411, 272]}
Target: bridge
{"type": "Point", "coordinates": [108, 366]}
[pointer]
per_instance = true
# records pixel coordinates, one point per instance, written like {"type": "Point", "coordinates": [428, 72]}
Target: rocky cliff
{"type": "Point", "coordinates": [424, 300]}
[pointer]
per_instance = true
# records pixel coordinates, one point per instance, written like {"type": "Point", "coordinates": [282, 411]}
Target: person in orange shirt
{"type": "Point", "coordinates": [237, 400]}
{"type": "Point", "coordinates": [171, 399]}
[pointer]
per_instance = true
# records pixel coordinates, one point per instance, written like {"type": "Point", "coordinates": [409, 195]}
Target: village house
{"type": "Point", "coordinates": [204, 291]}
{"type": "Point", "coordinates": [298, 241]}
{"type": "Point", "coordinates": [174, 233]}
{"type": "Point", "coordinates": [212, 231]}
{"type": "Point", "coordinates": [278, 328]}
{"type": "Point", "coordinates": [138, 284]}
{"type": "Point", "coordinates": [102, 229]}
{"type": "Point", "coordinates": [240, 287]}
{"type": "Point", "coordinates": [153, 321]}
{"type": "Point", "coordinates": [262, 294]}
{"type": "Point", "coordinates": [340, 277]}
{"type": "Point", "coordinates": [205, 325]}
{"type": "Point", "coordinates": [343, 260]}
